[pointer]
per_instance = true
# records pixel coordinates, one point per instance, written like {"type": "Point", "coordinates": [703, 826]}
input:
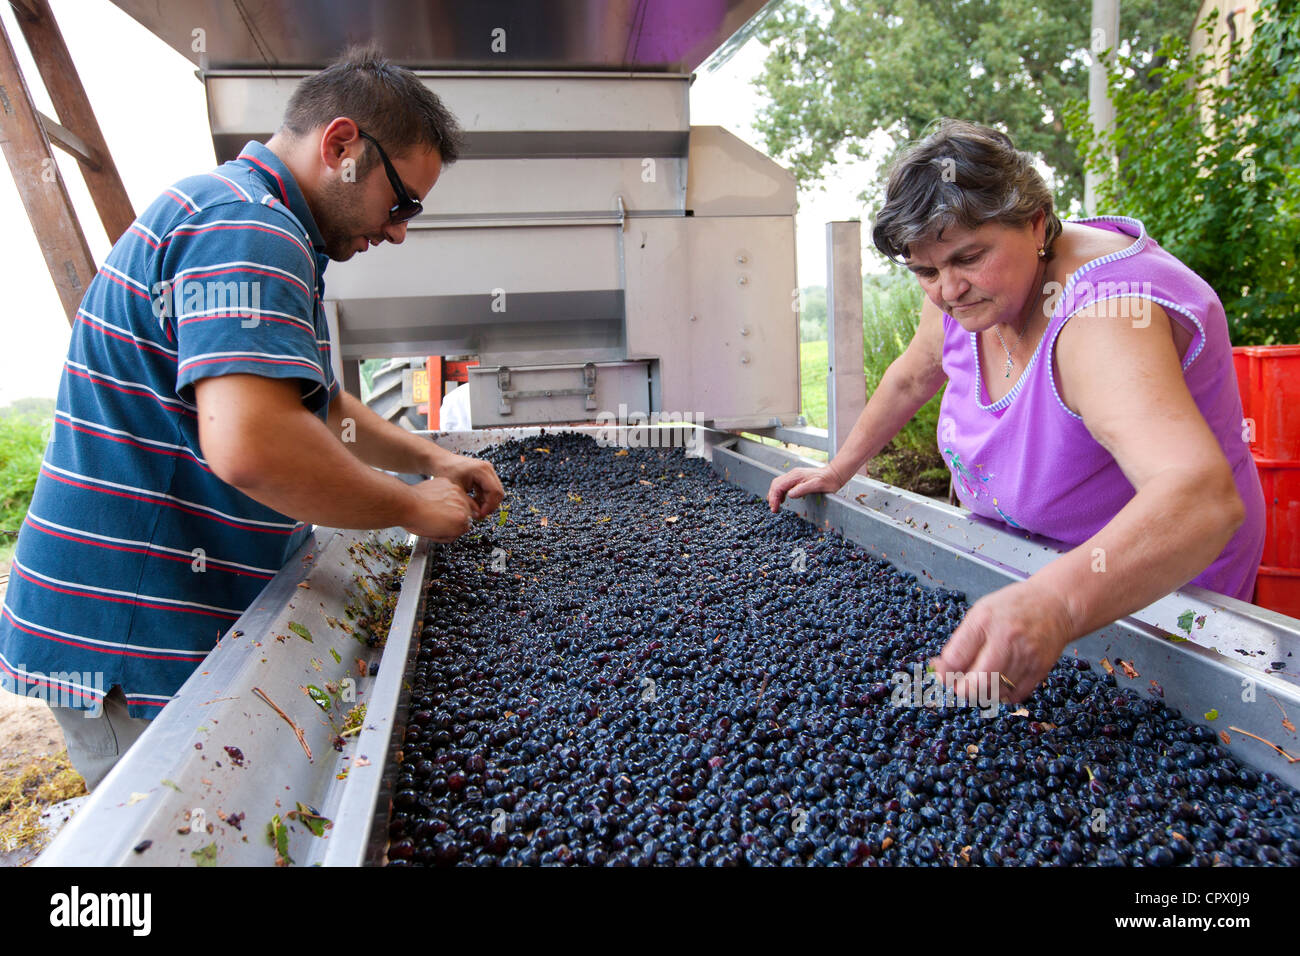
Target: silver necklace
{"type": "Point", "coordinates": [998, 332]}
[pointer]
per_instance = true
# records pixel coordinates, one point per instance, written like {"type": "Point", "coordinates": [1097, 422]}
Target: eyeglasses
{"type": "Point", "coordinates": [407, 207]}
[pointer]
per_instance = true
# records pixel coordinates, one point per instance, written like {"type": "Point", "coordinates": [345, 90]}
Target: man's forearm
{"type": "Point", "coordinates": [301, 470]}
{"type": "Point", "coordinates": [380, 443]}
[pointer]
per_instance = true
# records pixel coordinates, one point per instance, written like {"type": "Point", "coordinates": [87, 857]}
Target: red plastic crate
{"type": "Point", "coordinates": [1281, 483]}
{"type": "Point", "coordinates": [1241, 365]}
{"type": "Point", "coordinates": [1271, 396]}
{"type": "Point", "coordinates": [1278, 589]}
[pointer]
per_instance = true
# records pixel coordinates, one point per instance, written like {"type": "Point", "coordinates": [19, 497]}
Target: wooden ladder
{"type": "Point", "coordinates": [26, 134]}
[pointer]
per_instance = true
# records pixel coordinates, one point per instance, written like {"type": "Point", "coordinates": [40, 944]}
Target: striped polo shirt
{"type": "Point", "coordinates": [135, 557]}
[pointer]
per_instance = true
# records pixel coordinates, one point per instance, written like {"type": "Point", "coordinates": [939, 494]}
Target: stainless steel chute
{"type": "Point", "coordinates": [153, 793]}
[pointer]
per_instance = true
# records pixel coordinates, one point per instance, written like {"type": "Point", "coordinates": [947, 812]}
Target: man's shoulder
{"type": "Point", "coordinates": [217, 202]}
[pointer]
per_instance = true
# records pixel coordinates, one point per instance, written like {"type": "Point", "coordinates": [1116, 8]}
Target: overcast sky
{"type": "Point", "coordinates": [153, 113]}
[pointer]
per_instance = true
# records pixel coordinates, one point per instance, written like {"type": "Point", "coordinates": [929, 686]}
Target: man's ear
{"type": "Point", "coordinates": [341, 145]}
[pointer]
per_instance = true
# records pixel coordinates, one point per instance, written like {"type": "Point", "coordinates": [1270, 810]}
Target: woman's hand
{"type": "Point", "coordinates": [803, 481]}
{"type": "Point", "coordinates": [1017, 632]}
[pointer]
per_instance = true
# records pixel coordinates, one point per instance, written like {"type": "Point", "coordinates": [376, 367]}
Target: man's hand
{"type": "Point", "coordinates": [477, 477]}
{"type": "Point", "coordinates": [445, 512]}
{"type": "Point", "coordinates": [1017, 632]}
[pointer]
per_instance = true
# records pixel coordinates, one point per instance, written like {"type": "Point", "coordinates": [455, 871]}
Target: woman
{"type": "Point", "coordinates": [1091, 398]}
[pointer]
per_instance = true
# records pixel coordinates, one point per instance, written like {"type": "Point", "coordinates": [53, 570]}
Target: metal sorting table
{"type": "Point", "coordinates": [1223, 665]}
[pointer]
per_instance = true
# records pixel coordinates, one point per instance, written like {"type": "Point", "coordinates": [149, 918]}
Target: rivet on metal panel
{"type": "Point", "coordinates": [742, 258]}
{"type": "Point", "coordinates": [744, 359]}
{"type": "Point", "coordinates": [695, 318]}
{"type": "Point", "coordinates": [744, 330]}
{"type": "Point", "coordinates": [743, 280]}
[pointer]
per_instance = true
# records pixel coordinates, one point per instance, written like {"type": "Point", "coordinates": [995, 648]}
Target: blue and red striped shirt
{"type": "Point", "coordinates": [135, 557]}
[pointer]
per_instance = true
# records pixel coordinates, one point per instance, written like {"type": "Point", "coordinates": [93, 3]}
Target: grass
{"type": "Point", "coordinates": [912, 459]}
{"type": "Point", "coordinates": [22, 446]}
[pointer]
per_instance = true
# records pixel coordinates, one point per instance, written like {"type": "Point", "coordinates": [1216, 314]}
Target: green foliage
{"type": "Point", "coordinates": [368, 369]}
{"type": "Point", "coordinates": [839, 71]}
{"type": "Point", "coordinates": [891, 309]}
{"type": "Point", "coordinates": [1213, 168]}
{"type": "Point", "coordinates": [22, 446]}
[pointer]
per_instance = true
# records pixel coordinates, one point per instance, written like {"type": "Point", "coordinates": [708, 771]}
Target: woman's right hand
{"type": "Point", "coordinates": [803, 481]}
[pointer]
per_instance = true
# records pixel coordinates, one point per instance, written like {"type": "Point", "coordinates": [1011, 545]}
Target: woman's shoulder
{"type": "Point", "coordinates": [1081, 243]}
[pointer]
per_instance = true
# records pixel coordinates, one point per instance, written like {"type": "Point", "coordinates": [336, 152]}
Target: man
{"type": "Point", "coordinates": [199, 429]}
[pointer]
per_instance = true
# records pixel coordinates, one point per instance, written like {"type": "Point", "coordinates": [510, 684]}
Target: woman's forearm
{"type": "Point", "coordinates": [1168, 533]}
{"type": "Point", "coordinates": [891, 406]}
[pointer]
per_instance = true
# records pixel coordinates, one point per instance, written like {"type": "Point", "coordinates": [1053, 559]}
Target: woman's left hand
{"type": "Point", "coordinates": [1017, 632]}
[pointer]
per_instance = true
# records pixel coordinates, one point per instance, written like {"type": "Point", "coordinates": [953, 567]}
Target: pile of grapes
{"type": "Point", "coordinates": [638, 664]}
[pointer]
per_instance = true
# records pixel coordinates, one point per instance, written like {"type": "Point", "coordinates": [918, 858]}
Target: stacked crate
{"type": "Point", "coordinates": [1268, 378]}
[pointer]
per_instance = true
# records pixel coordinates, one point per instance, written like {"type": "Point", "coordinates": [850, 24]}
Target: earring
{"type": "Point", "coordinates": [1041, 252]}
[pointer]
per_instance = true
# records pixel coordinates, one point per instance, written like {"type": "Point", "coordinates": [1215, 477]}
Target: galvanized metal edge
{"type": "Point", "coordinates": [361, 812]}
{"type": "Point", "coordinates": [204, 780]}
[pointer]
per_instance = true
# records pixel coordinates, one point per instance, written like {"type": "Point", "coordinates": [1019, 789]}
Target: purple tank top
{"type": "Point", "coordinates": [1028, 461]}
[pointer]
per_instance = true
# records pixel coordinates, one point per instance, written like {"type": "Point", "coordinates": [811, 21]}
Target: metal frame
{"type": "Point", "coordinates": [942, 545]}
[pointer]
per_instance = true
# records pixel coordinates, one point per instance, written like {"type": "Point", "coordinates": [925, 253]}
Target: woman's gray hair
{"type": "Point", "coordinates": [960, 173]}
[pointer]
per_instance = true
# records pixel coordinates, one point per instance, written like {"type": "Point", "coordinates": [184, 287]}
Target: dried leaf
{"type": "Point", "coordinates": [335, 655]}
{"type": "Point", "coordinates": [543, 521]}
{"type": "Point", "coordinates": [621, 453]}
{"type": "Point", "coordinates": [1286, 722]}
{"type": "Point", "coordinates": [671, 520]}
{"type": "Point", "coordinates": [1223, 735]}
{"type": "Point", "coordinates": [301, 631]}
{"type": "Point", "coordinates": [642, 481]}
{"type": "Point", "coordinates": [1107, 666]}
{"type": "Point", "coordinates": [1129, 670]}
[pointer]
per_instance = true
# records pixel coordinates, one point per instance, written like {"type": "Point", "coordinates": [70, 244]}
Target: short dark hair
{"type": "Point", "coordinates": [962, 173]}
{"type": "Point", "coordinates": [387, 101]}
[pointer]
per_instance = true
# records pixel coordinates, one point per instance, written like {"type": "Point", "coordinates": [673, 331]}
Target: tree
{"type": "Point", "coordinates": [1213, 168]}
{"type": "Point", "coordinates": [838, 71]}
